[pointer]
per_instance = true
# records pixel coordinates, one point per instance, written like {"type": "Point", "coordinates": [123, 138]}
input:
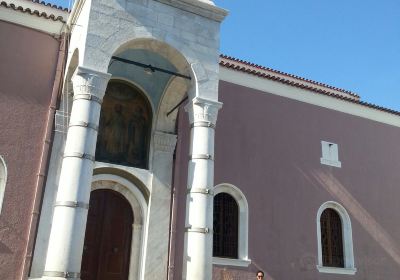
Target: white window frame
{"type": "Point", "coordinates": [330, 154]}
{"type": "Point", "coordinates": [347, 237]}
{"type": "Point", "coordinates": [243, 258]}
{"type": "Point", "coordinates": [3, 180]}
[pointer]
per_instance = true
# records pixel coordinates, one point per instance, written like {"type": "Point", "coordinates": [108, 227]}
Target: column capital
{"type": "Point", "coordinates": [164, 142]}
{"type": "Point", "coordinates": [90, 82]}
{"type": "Point", "coordinates": [203, 110]}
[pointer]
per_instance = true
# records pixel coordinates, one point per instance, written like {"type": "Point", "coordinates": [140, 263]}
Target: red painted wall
{"type": "Point", "coordinates": [27, 68]}
{"type": "Point", "coordinates": [270, 147]}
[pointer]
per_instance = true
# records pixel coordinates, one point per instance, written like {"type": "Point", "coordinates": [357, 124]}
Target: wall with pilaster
{"type": "Point", "coordinates": [27, 71]}
{"type": "Point", "coordinates": [270, 147]}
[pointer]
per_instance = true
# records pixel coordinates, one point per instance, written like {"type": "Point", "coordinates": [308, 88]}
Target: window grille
{"type": "Point", "coordinates": [226, 226]}
{"type": "Point", "coordinates": [61, 121]}
{"type": "Point", "coordinates": [331, 239]}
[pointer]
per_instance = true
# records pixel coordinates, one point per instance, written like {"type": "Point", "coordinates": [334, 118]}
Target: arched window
{"type": "Point", "coordinates": [230, 226]}
{"type": "Point", "coordinates": [331, 239]}
{"type": "Point", "coordinates": [226, 226]}
{"type": "Point", "coordinates": [335, 244]}
{"type": "Point", "coordinates": [3, 180]}
{"type": "Point", "coordinates": [125, 126]}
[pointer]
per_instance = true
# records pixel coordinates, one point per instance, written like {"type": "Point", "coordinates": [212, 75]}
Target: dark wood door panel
{"type": "Point", "coordinates": [108, 237]}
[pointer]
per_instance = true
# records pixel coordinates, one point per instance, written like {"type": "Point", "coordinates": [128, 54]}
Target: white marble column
{"type": "Point", "coordinates": [64, 253]}
{"type": "Point", "coordinates": [199, 207]}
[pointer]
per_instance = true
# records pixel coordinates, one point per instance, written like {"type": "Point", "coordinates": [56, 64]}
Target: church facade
{"type": "Point", "coordinates": [131, 149]}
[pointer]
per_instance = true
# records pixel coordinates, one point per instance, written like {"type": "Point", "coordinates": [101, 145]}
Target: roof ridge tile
{"type": "Point", "coordinates": [31, 12]}
{"type": "Point", "coordinates": [289, 75]}
{"type": "Point", "coordinates": [303, 86]}
{"type": "Point", "coordinates": [49, 5]}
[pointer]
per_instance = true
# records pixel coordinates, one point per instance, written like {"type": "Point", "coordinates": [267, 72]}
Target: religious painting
{"type": "Point", "coordinates": [125, 126]}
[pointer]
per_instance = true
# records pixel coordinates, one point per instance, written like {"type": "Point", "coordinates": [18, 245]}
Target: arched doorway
{"type": "Point", "coordinates": [106, 254]}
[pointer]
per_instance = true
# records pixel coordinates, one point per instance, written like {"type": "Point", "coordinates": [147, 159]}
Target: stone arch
{"type": "Point", "coordinates": [174, 93]}
{"type": "Point", "coordinates": [138, 203]}
{"type": "Point", "coordinates": [165, 50]}
{"type": "Point", "coordinates": [176, 88]}
{"type": "Point", "coordinates": [134, 84]}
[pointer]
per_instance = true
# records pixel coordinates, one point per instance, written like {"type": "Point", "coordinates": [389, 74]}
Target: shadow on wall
{"type": "Point", "coordinates": [4, 249]}
{"type": "Point", "coordinates": [334, 187]}
{"type": "Point", "coordinates": [222, 273]}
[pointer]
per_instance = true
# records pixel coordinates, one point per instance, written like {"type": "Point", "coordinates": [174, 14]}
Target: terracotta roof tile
{"type": "Point", "coordinates": [246, 63]}
{"type": "Point", "coordinates": [268, 73]}
{"type": "Point", "coordinates": [49, 5]}
{"type": "Point", "coordinates": [32, 12]}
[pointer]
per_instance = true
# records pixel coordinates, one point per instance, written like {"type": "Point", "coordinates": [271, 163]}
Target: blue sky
{"type": "Point", "coordinates": [353, 45]}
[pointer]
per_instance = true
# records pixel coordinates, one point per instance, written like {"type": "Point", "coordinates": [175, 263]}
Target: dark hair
{"type": "Point", "coordinates": [261, 272]}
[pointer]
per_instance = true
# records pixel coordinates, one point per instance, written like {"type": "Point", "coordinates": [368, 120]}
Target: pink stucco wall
{"type": "Point", "coordinates": [27, 68]}
{"type": "Point", "coordinates": [270, 147]}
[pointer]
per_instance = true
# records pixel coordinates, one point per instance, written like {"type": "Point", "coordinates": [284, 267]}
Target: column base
{"type": "Point", "coordinates": [63, 277]}
{"type": "Point", "coordinates": [53, 278]}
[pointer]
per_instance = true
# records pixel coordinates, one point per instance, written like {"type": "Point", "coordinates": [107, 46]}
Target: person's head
{"type": "Point", "coordinates": [260, 275]}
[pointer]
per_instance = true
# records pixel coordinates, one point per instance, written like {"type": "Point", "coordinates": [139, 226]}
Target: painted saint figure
{"type": "Point", "coordinates": [137, 138]}
{"type": "Point", "coordinates": [124, 128]}
{"type": "Point", "coordinates": [115, 129]}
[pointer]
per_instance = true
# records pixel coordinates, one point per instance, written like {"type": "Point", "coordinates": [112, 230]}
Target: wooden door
{"type": "Point", "coordinates": [108, 237]}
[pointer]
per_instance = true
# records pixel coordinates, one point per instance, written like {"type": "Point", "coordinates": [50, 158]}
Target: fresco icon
{"type": "Point", "coordinates": [125, 126]}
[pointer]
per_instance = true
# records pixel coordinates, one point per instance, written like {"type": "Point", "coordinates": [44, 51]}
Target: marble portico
{"type": "Point", "coordinates": [184, 34]}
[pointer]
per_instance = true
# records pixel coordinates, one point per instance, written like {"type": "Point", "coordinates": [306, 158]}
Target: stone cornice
{"type": "Point", "coordinates": [200, 8]}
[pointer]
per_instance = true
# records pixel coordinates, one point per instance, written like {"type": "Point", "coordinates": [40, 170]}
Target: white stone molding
{"type": "Point", "coordinates": [139, 208]}
{"type": "Point", "coordinates": [349, 267]}
{"type": "Point", "coordinates": [3, 180]}
{"type": "Point", "coordinates": [243, 234]}
{"type": "Point", "coordinates": [231, 262]}
{"type": "Point", "coordinates": [164, 142]}
{"type": "Point", "coordinates": [266, 86]}
{"type": "Point", "coordinates": [337, 270]}
{"type": "Point", "coordinates": [67, 233]}
{"type": "Point", "coordinates": [142, 178]}
{"type": "Point", "coordinates": [205, 8]}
